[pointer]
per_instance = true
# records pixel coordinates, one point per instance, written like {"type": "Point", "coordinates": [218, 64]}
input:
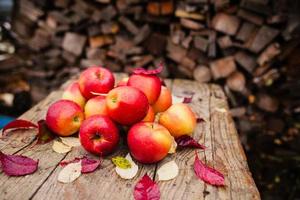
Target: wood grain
{"type": "Point", "coordinates": [217, 133]}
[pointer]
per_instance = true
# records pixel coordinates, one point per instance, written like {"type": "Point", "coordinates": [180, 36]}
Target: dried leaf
{"type": "Point", "coordinates": [15, 165]}
{"type": "Point", "coordinates": [168, 171]}
{"type": "Point", "coordinates": [88, 165]}
{"type": "Point", "coordinates": [130, 172]}
{"type": "Point", "coordinates": [19, 124]}
{"type": "Point", "coordinates": [121, 162]}
{"type": "Point", "coordinates": [208, 174]}
{"type": "Point", "coordinates": [173, 146]}
{"type": "Point", "coordinates": [143, 71]}
{"type": "Point", "coordinates": [59, 147]}
{"type": "Point", "coordinates": [44, 135]}
{"type": "Point", "coordinates": [70, 141]}
{"type": "Point", "coordinates": [146, 189]}
{"type": "Point", "coordinates": [186, 141]}
{"type": "Point", "coordinates": [70, 172]}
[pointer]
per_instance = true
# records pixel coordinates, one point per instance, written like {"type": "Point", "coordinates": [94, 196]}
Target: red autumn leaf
{"type": "Point", "coordinates": [146, 189]}
{"type": "Point", "coordinates": [44, 134]}
{"type": "Point", "coordinates": [143, 71]}
{"type": "Point", "coordinates": [186, 141]}
{"type": "Point", "coordinates": [19, 124]}
{"type": "Point", "coordinates": [187, 99]}
{"type": "Point", "coordinates": [88, 165]}
{"type": "Point", "coordinates": [15, 165]}
{"type": "Point", "coordinates": [208, 174]}
{"type": "Point", "coordinates": [199, 120]}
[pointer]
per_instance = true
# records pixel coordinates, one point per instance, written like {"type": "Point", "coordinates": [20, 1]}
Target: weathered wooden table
{"type": "Point", "coordinates": [224, 152]}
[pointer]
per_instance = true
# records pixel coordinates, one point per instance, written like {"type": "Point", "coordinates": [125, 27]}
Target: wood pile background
{"type": "Point", "coordinates": [242, 45]}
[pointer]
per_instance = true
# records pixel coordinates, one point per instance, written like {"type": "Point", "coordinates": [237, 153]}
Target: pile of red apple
{"type": "Point", "coordinates": [97, 109]}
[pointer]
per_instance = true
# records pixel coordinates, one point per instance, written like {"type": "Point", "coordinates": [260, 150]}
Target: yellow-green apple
{"type": "Point", "coordinates": [95, 80]}
{"type": "Point", "coordinates": [148, 84]}
{"type": "Point", "coordinates": [150, 116]}
{"type": "Point", "coordinates": [72, 92]}
{"type": "Point", "coordinates": [64, 117]}
{"type": "Point", "coordinates": [179, 119]}
{"type": "Point", "coordinates": [149, 142]}
{"type": "Point", "coordinates": [164, 100]}
{"type": "Point", "coordinates": [99, 135]}
{"type": "Point", "coordinates": [123, 82]}
{"type": "Point", "coordinates": [95, 106]}
{"type": "Point", "coordinates": [126, 105]}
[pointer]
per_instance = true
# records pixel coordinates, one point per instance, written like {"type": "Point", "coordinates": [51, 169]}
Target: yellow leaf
{"type": "Point", "coordinates": [121, 162]}
{"type": "Point", "coordinates": [130, 172]}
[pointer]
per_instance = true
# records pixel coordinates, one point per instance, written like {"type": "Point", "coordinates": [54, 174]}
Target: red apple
{"type": "Point", "coordinates": [126, 105]}
{"type": "Point", "coordinates": [64, 117]}
{"type": "Point", "coordinates": [95, 106]}
{"type": "Point", "coordinates": [150, 117]}
{"type": "Point", "coordinates": [149, 84]}
{"type": "Point", "coordinates": [179, 119]}
{"type": "Point", "coordinates": [164, 100]}
{"type": "Point", "coordinates": [95, 80]}
{"type": "Point", "coordinates": [73, 93]}
{"type": "Point", "coordinates": [99, 135]}
{"type": "Point", "coordinates": [149, 142]}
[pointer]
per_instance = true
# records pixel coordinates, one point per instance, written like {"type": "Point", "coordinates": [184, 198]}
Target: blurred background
{"type": "Point", "coordinates": [249, 47]}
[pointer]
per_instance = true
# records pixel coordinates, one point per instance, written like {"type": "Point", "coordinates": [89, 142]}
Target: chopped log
{"type": "Point", "coordinates": [225, 42]}
{"type": "Point", "coordinates": [129, 25]}
{"type": "Point", "coordinates": [70, 57]}
{"type": "Point", "coordinates": [110, 28]}
{"type": "Point", "coordinates": [202, 74]}
{"type": "Point", "coordinates": [246, 60]}
{"type": "Point", "coordinates": [236, 81]}
{"type": "Point", "coordinates": [160, 8]}
{"type": "Point", "coordinates": [187, 41]}
{"type": "Point", "coordinates": [256, 6]}
{"type": "Point", "coordinates": [225, 23]}
{"type": "Point", "coordinates": [62, 3]}
{"type": "Point", "coordinates": [223, 67]}
{"type": "Point", "coordinates": [201, 43]}
{"type": "Point", "coordinates": [250, 16]}
{"type": "Point", "coordinates": [212, 48]}
{"type": "Point", "coordinates": [238, 112]}
{"type": "Point", "coordinates": [142, 34]}
{"type": "Point", "coordinates": [190, 24]}
{"type": "Point", "coordinates": [40, 40]}
{"type": "Point", "coordinates": [95, 53]}
{"type": "Point", "coordinates": [183, 14]}
{"type": "Point", "coordinates": [268, 54]}
{"type": "Point", "coordinates": [101, 40]}
{"type": "Point", "coordinates": [264, 36]}
{"type": "Point", "coordinates": [73, 43]}
{"type": "Point", "coordinates": [267, 103]}
{"type": "Point", "coordinates": [246, 31]}
{"type": "Point", "coordinates": [105, 14]}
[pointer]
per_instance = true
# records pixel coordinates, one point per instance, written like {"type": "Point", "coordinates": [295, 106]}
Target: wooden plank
{"type": "Point", "coordinates": [186, 185]}
{"type": "Point", "coordinates": [226, 152]}
{"type": "Point", "coordinates": [218, 133]}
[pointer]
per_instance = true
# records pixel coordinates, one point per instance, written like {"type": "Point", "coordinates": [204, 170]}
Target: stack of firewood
{"type": "Point", "coordinates": [242, 45]}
